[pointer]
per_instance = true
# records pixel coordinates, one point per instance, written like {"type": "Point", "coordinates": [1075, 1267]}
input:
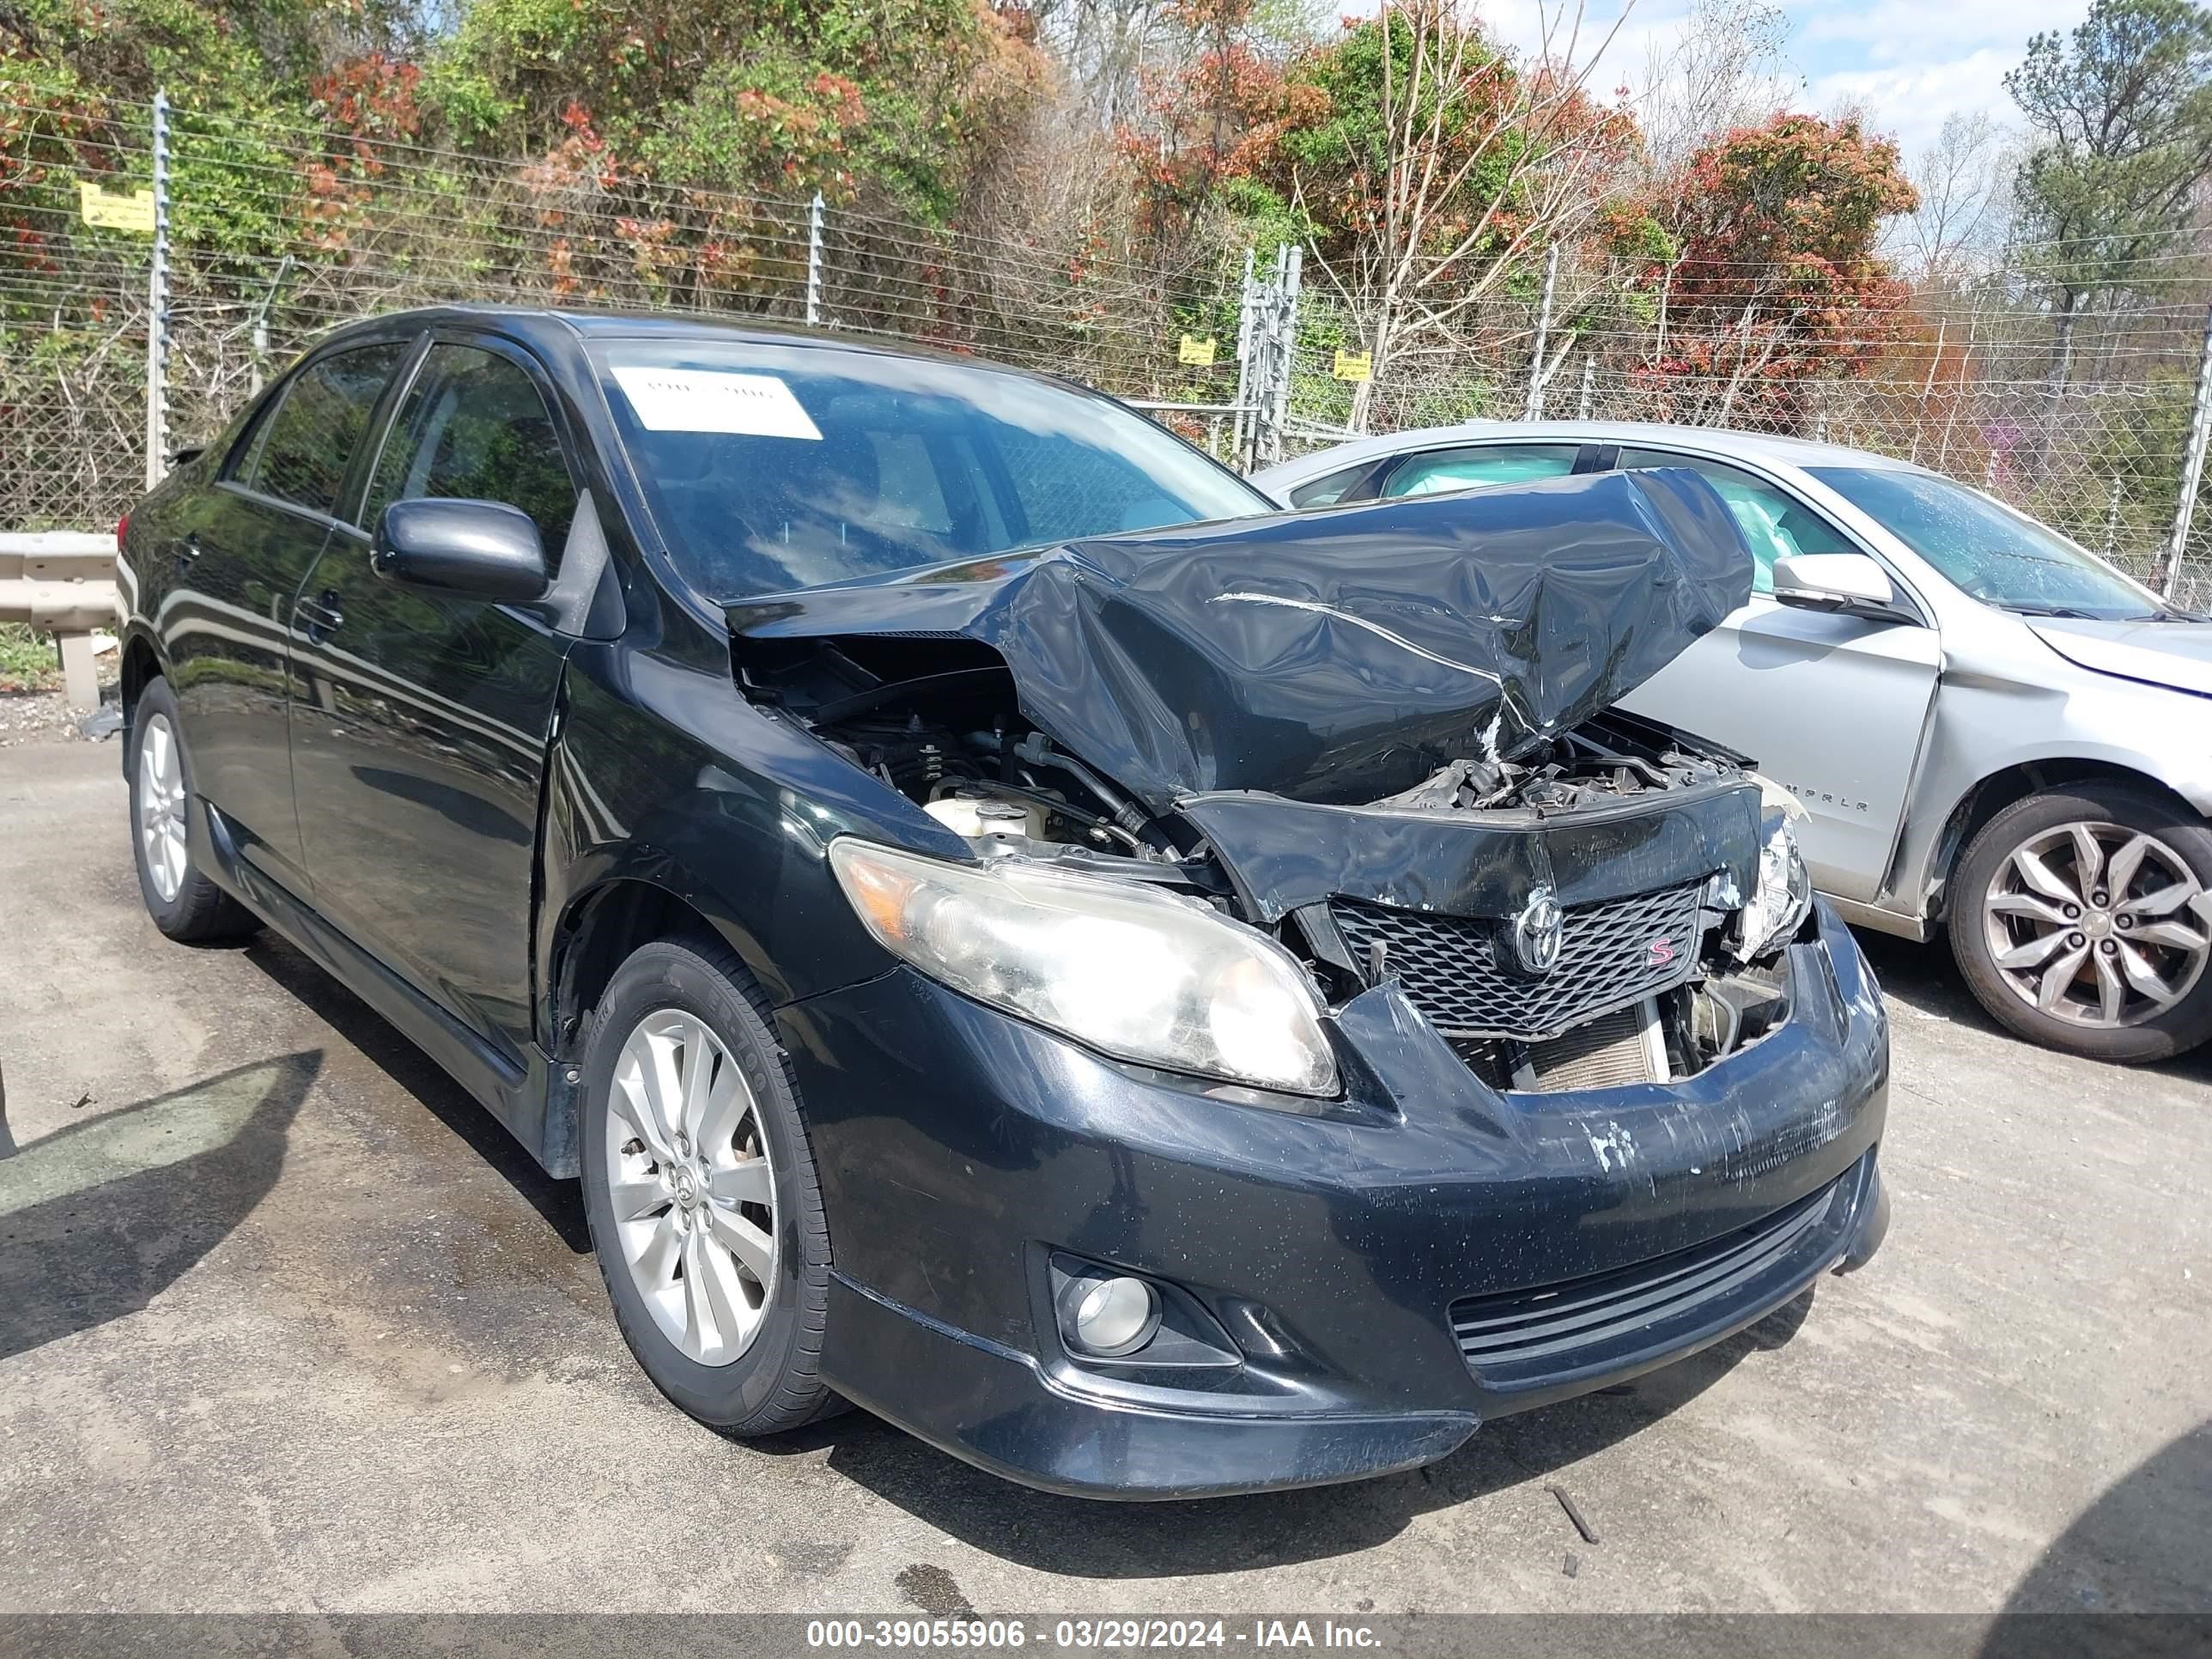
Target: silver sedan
{"type": "Point", "coordinates": [1996, 734]}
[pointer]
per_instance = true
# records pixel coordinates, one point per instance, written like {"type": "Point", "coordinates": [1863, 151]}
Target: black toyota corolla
{"type": "Point", "coordinates": [1153, 995]}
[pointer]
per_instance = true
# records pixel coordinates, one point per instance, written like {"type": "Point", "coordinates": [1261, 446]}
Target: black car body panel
{"type": "Point", "coordinates": [1333, 1246]}
{"type": "Point", "coordinates": [470, 812]}
{"type": "Point", "coordinates": [1286, 855]}
{"type": "Point", "coordinates": [1338, 656]}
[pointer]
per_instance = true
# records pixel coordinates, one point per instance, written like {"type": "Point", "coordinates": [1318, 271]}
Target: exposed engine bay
{"type": "Point", "coordinates": [1387, 738]}
{"type": "Point", "coordinates": [952, 740]}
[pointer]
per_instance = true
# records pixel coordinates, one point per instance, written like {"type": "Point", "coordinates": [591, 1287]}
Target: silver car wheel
{"type": "Point", "coordinates": [161, 808]}
{"type": "Point", "coordinates": [2097, 924]}
{"type": "Point", "coordinates": [691, 1186]}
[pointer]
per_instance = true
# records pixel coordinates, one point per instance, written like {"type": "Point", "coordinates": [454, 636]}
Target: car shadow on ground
{"type": "Point", "coordinates": [2143, 1548]}
{"type": "Point", "coordinates": [560, 1204]}
{"type": "Point", "coordinates": [1084, 1538]}
{"type": "Point", "coordinates": [1924, 980]}
{"type": "Point", "coordinates": [100, 1218]}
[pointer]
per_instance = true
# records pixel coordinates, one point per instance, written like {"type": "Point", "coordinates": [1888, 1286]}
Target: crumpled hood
{"type": "Point", "coordinates": [1337, 656]}
{"type": "Point", "coordinates": [2171, 654]}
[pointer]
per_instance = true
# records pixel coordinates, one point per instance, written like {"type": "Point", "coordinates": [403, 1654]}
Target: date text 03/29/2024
{"type": "Point", "coordinates": [1108, 1635]}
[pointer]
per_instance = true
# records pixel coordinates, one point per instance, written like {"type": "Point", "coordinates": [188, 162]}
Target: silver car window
{"type": "Point", "coordinates": [1325, 490]}
{"type": "Point", "coordinates": [1479, 464]}
{"type": "Point", "coordinates": [1776, 523]}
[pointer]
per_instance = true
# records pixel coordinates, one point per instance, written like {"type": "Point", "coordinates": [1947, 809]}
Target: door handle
{"type": "Point", "coordinates": [186, 549]}
{"type": "Point", "coordinates": [320, 617]}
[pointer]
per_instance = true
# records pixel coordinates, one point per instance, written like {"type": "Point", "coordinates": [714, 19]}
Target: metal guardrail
{"type": "Point", "coordinates": [63, 582]}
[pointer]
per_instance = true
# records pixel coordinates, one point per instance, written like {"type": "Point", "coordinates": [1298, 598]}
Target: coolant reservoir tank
{"type": "Point", "coordinates": [983, 817]}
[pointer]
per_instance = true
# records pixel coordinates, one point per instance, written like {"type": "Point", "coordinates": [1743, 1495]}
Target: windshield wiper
{"type": "Point", "coordinates": [2162, 614]}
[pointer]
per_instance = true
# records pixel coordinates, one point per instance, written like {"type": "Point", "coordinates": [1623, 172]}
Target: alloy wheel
{"type": "Point", "coordinates": [161, 808]}
{"type": "Point", "coordinates": [2097, 924]}
{"type": "Point", "coordinates": [691, 1186]}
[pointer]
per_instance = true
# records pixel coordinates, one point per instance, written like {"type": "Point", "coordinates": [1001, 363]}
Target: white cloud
{"type": "Point", "coordinates": [1908, 64]}
{"type": "Point", "coordinates": [1911, 104]}
{"type": "Point", "coordinates": [1911, 31]}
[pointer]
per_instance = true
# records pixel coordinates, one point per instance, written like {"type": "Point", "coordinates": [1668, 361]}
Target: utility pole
{"type": "Point", "coordinates": [1290, 258]}
{"type": "Point", "coordinates": [261, 323]}
{"type": "Point", "coordinates": [1244, 307]}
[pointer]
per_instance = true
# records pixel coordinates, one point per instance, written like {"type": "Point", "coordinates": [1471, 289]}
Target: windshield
{"type": "Point", "coordinates": [773, 467]}
{"type": "Point", "coordinates": [1987, 551]}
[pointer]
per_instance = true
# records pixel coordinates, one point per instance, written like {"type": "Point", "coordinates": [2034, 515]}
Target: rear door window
{"type": "Point", "coordinates": [1776, 523]}
{"type": "Point", "coordinates": [301, 452]}
{"type": "Point", "coordinates": [1436, 470]}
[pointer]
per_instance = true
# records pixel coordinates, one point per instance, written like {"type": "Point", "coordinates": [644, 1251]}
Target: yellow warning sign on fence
{"type": "Point", "coordinates": [113, 210]}
{"type": "Point", "coordinates": [1353, 364]}
{"type": "Point", "coordinates": [1196, 351]}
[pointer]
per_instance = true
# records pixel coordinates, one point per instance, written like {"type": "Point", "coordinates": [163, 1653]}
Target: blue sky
{"type": "Point", "coordinates": [1907, 63]}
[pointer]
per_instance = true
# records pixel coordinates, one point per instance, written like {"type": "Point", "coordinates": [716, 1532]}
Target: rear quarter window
{"type": "Point", "coordinates": [1328, 489]}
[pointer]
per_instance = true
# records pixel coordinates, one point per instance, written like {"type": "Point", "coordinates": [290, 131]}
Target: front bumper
{"type": "Point", "coordinates": [1336, 1248]}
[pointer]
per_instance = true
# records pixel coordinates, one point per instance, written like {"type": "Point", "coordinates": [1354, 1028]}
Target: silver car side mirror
{"type": "Point", "coordinates": [1850, 583]}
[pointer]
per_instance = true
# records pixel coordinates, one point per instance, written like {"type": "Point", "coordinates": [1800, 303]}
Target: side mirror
{"type": "Point", "coordinates": [475, 550]}
{"type": "Point", "coordinates": [1851, 584]}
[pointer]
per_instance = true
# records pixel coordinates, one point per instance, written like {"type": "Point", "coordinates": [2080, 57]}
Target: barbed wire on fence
{"type": "Point", "coordinates": [278, 232]}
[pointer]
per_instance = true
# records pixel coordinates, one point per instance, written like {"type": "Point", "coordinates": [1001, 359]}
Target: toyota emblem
{"type": "Point", "coordinates": [1537, 934]}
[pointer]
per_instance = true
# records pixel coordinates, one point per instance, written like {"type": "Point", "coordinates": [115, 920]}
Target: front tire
{"type": "Point", "coordinates": [700, 1189]}
{"type": "Point", "coordinates": [185, 902]}
{"type": "Point", "coordinates": [2082, 920]}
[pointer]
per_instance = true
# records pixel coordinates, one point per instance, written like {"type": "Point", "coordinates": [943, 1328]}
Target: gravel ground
{"type": "Point", "coordinates": [286, 1323]}
{"type": "Point", "coordinates": [33, 717]}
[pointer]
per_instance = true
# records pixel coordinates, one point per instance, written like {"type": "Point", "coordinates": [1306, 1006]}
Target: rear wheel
{"type": "Point", "coordinates": [700, 1189]}
{"type": "Point", "coordinates": [185, 902]}
{"type": "Point", "coordinates": [2082, 919]}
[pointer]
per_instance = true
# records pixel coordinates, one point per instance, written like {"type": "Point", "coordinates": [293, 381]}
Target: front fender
{"type": "Point", "coordinates": [1986, 727]}
{"type": "Point", "coordinates": [664, 774]}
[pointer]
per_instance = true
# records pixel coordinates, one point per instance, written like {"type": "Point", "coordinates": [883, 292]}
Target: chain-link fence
{"type": "Point", "coordinates": [2089, 434]}
{"type": "Point", "coordinates": [272, 233]}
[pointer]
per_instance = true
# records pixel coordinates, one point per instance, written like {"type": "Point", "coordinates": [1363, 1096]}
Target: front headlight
{"type": "Point", "coordinates": [1784, 896]}
{"type": "Point", "coordinates": [1134, 972]}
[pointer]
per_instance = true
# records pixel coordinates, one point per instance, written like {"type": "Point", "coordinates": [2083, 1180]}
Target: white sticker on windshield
{"type": "Point", "coordinates": [714, 400]}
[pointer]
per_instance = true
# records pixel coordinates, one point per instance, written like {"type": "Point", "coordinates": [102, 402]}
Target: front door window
{"type": "Point", "coordinates": [474, 427]}
{"type": "Point", "coordinates": [1776, 524]}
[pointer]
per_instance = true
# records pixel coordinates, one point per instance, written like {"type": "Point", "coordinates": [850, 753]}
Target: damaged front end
{"type": "Point", "coordinates": [1559, 1072]}
{"type": "Point", "coordinates": [1382, 739]}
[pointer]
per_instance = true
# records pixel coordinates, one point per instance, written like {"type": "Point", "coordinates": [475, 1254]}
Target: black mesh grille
{"type": "Point", "coordinates": [1523, 1334]}
{"type": "Point", "coordinates": [1610, 955]}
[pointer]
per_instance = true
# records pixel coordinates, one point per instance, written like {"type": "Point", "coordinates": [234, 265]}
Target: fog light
{"type": "Point", "coordinates": [1108, 1316]}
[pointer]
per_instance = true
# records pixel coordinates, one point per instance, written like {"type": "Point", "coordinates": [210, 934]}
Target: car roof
{"type": "Point", "coordinates": [1720, 440]}
{"type": "Point", "coordinates": [528, 322]}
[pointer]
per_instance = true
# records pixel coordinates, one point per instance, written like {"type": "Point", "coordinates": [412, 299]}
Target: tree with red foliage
{"type": "Point", "coordinates": [366, 104]}
{"type": "Point", "coordinates": [1215, 108]}
{"type": "Point", "coordinates": [1775, 277]}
